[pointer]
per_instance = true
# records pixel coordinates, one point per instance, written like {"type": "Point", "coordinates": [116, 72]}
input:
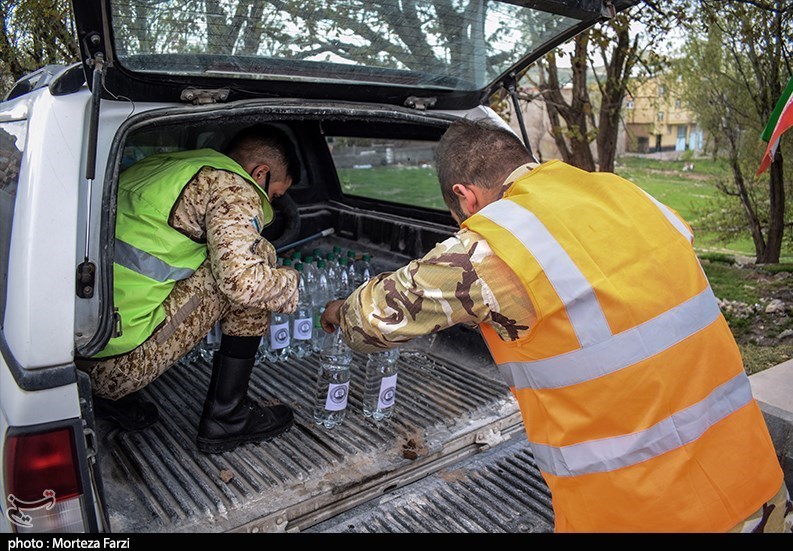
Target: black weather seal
{"type": "Point", "coordinates": [36, 379]}
{"type": "Point", "coordinates": [577, 9]}
{"type": "Point", "coordinates": [68, 81]}
{"type": "Point", "coordinates": [34, 81]}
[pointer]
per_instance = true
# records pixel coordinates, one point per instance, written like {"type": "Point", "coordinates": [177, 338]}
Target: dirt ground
{"type": "Point", "coordinates": [763, 329]}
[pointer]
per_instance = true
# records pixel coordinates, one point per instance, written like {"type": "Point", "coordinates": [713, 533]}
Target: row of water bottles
{"type": "Point", "coordinates": [326, 277]}
{"type": "Point", "coordinates": [333, 378]}
{"type": "Point", "coordinates": [322, 278]}
{"type": "Point", "coordinates": [333, 383]}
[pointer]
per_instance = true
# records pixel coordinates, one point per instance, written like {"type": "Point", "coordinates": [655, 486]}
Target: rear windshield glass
{"type": "Point", "coordinates": [444, 44]}
{"type": "Point", "coordinates": [398, 171]}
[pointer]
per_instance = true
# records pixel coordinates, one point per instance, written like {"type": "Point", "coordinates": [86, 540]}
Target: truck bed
{"type": "Point", "coordinates": [157, 481]}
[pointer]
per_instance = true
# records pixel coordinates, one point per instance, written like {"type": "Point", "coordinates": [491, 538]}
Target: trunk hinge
{"type": "Point", "coordinates": [86, 271]}
{"type": "Point", "coordinates": [511, 86]}
{"type": "Point", "coordinates": [420, 104]}
{"type": "Point", "coordinates": [204, 96]}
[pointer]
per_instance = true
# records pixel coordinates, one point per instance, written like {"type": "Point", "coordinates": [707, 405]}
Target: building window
{"type": "Point", "coordinates": [660, 116]}
{"type": "Point", "coordinates": [677, 103]}
{"type": "Point", "coordinates": [661, 90]}
{"type": "Point", "coordinates": [629, 104]}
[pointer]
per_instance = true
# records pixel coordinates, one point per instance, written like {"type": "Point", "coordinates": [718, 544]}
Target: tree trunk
{"type": "Point", "coordinates": [252, 35]}
{"type": "Point", "coordinates": [751, 213]}
{"type": "Point", "coordinates": [573, 138]}
{"type": "Point", "coordinates": [618, 70]}
{"type": "Point", "coordinates": [580, 109]}
{"type": "Point", "coordinates": [776, 215]}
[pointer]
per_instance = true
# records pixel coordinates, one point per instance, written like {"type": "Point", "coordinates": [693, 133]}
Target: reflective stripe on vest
{"type": "Point", "coordinates": [147, 264]}
{"type": "Point", "coordinates": [675, 431]}
{"type": "Point", "coordinates": [622, 350]}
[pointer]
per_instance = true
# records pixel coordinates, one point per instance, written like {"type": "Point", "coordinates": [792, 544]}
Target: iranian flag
{"type": "Point", "coordinates": [780, 121]}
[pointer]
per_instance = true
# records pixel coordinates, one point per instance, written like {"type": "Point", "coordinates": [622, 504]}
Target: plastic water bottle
{"type": "Point", "coordinates": [343, 289]}
{"type": "Point", "coordinates": [308, 264]}
{"type": "Point", "coordinates": [332, 271]}
{"type": "Point", "coordinates": [302, 319]}
{"type": "Point", "coordinates": [211, 343]}
{"type": "Point", "coordinates": [320, 295]}
{"type": "Point", "coordinates": [379, 392]}
{"type": "Point", "coordinates": [333, 381]}
{"type": "Point", "coordinates": [279, 347]}
{"type": "Point", "coordinates": [363, 270]}
{"type": "Point", "coordinates": [351, 269]}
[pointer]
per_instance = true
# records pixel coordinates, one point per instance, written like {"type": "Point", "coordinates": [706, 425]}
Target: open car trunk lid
{"type": "Point", "coordinates": [424, 53]}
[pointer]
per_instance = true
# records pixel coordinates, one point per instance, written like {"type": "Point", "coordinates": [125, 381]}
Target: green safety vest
{"type": "Point", "coordinates": [150, 255]}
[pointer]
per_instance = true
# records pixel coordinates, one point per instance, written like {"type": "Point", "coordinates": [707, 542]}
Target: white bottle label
{"type": "Point", "coordinates": [337, 396]}
{"type": "Point", "coordinates": [279, 336]}
{"type": "Point", "coordinates": [387, 392]}
{"type": "Point", "coordinates": [302, 329]}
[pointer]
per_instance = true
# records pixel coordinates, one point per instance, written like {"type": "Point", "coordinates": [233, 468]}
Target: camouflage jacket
{"type": "Point", "coordinates": [222, 210]}
{"type": "Point", "coordinates": [461, 280]}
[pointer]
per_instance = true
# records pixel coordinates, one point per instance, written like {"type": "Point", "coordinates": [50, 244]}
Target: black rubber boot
{"type": "Point", "coordinates": [229, 417]}
{"type": "Point", "coordinates": [131, 412]}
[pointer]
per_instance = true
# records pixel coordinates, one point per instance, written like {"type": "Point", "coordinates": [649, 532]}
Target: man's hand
{"type": "Point", "coordinates": [331, 317]}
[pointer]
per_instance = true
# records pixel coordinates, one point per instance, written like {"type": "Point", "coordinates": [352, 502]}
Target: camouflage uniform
{"type": "Point", "coordinates": [238, 284]}
{"type": "Point", "coordinates": [461, 280]}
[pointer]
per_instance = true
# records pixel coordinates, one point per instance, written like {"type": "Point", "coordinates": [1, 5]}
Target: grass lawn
{"type": "Point", "coordinates": [405, 185]}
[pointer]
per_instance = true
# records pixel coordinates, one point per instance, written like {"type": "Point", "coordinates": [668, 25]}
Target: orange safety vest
{"type": "Point", "coordinates": [631, 386]}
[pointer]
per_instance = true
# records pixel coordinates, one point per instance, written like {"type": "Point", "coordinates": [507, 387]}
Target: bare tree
{"type": "Point", "coordinates": [34, 33]}
{"type": "Point", "coordinates": [739, 58]}
{"type": "Point", "coordinates": [618, 54]}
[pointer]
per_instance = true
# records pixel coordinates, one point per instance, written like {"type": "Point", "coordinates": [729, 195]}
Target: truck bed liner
{"type": "Point", "coordinates": [498, 491]}
{"type": "Point", "coordinates": [157, 481]}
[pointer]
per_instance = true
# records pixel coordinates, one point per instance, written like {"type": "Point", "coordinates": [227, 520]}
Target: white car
{"type": "Point", "coordinates": [364, 89]}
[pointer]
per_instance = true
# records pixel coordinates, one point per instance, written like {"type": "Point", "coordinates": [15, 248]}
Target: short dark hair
{"type": "Point", "coordinates": [479, 153]}
{"type": "Point", "coordinates": [265, 141]}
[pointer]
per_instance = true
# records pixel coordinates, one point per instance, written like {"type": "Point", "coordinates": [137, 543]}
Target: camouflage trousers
{"type": "Point", "coordinates": [192, 309]}
{"type": "Point", "coordinates": [775, 516]}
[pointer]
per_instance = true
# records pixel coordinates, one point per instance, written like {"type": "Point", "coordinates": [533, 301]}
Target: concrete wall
{"type": "Point", "coordinates": [773, 389]}
{"type": "Point", "coordinates": [780, 425]}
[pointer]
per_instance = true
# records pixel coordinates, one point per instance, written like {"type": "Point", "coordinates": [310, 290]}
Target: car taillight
{"type": "Point", "coordinates": [42, 480]}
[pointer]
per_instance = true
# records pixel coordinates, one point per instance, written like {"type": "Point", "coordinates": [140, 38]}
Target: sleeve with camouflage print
{"type": "Point", "coordinates": [242, 261]}
{"type": "Point", "coordinates": [458, 281]}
